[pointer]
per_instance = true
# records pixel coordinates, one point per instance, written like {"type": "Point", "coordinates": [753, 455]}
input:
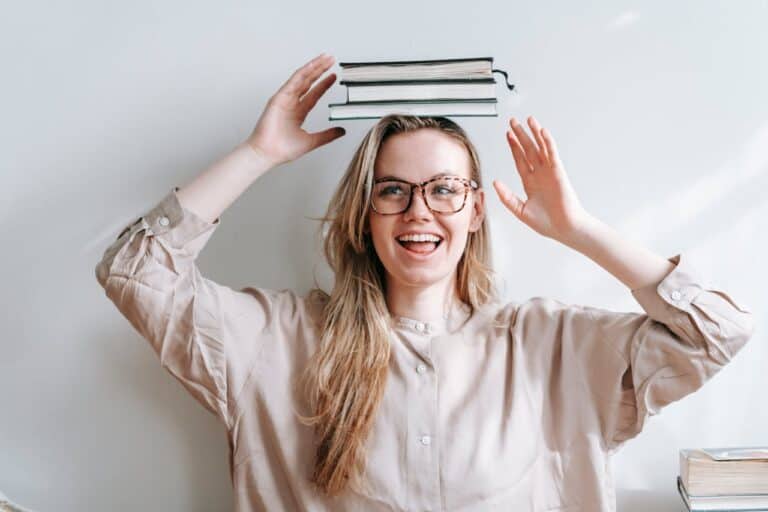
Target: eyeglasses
{"type": "Point", "coordinates": [442, 194]}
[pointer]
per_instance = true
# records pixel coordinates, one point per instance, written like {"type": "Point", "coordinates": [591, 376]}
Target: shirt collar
{"type": "Point", "coordinates": [450, 323]}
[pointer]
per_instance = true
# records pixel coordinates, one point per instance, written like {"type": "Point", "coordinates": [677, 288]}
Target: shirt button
{"type": "Point", "coordinates": [676, 295]}
{"type": "Point", "coordinates": [163, 221]}
{"type": "Point", "coordinates": [421, 368]}
{"type": "Point", "coordinates": [425, 440]}
{"type": "Point", "coordinates": [420, 326]}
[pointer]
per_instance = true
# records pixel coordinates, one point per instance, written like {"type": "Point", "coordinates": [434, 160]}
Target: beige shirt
{"type": "Point", "coordinates": [515, 407]}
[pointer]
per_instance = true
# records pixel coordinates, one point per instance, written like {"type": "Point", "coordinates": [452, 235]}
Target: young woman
{"type": "Point", "coordinates": [411, 386]}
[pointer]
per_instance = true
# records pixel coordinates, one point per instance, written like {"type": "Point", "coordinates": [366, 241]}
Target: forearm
{"type": "Point", "coordinates": [630, 263]}
{"type": "Point", "coordinates": [217, 187]}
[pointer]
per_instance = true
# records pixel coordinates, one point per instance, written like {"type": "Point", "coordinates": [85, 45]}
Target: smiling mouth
{"type": "Point", "coordinates": [420, 247]}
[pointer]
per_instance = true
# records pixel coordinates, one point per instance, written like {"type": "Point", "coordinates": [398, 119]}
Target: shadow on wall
{"type": "Point", "coordinates": [133, 411]}
{"type": "Point", "coordinates": [632, 500]}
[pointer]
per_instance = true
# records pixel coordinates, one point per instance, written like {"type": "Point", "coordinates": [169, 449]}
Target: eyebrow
{"type": "Point", "coordinates": [447, 173]}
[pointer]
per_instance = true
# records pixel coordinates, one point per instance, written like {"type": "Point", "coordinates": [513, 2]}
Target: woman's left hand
{"type": "Point", "coordinates": [552, 208]}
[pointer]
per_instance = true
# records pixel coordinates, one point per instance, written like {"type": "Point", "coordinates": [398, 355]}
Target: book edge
{"type": "Point", "coordinates": [426, 81]}
{"type": "Point", "coordinates": [414, 102]}
{"type": "Point", "coordinates": [403, 62]}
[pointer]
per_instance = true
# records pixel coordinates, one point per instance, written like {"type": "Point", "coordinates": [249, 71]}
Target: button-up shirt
{"type": "Point", "coordinates": [512, 406]}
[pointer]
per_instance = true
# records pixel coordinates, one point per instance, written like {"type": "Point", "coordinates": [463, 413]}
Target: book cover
{"type": "Point", "coordinates": [408, 62]}
{"type": "Point", "coordinates": [448, 108]}
{"type": "Point", "coordinates": [704, 475]}
{"type": "Point", "coordinates": [424, 91]}
{"type": "Point", "coordinates": [722, 503]}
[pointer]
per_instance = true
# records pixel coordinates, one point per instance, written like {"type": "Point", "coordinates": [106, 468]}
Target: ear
{"type": "Point", "coordinates": [478, 210]}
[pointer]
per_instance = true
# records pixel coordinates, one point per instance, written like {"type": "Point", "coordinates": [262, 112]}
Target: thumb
{"type": "Point", "coordinates": [326, 136]}
{"type": "Point", "coordinates": [509, 199]}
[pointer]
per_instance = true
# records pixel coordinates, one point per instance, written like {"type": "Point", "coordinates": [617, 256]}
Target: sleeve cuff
{"type": "Point", "coordinates": [169, 218]}
{"type": "Point", "coordinates": [676, 290]}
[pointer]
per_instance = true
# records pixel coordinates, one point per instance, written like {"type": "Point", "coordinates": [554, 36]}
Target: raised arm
{"type": "Point", "coordinates": [207, 335]}
{"type": "Point", "coordinates": [620, 368]}
{"type": "Point", "coordinates": [277, 138]}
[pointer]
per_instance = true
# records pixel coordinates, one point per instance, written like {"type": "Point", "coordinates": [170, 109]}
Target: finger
{"type": "Point", "coordinates": [509, 199]}
{"type": "Point", "coordinates": [316, 71]}
{"type": "Point", "coordinates": [297, 74]}
{"type": "Point", "coordinates": [306, 76]}
{"type": "Point", "coordinates": [531, 151]}
{"type": "Point", "coordinates": [309, 100]}
{"type": "Point", "coordinates": [536, 130]}
{"type": "Point", "coordinates": [326, 136]}
{"type": "Point", "coordinates": [551, 146]}
{"type": "Point", "coordinates": [298, 84]}
{"type": "Point", "coordinates": [524, 167]}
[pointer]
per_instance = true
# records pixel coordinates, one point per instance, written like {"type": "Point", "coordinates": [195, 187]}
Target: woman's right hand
{"type": "Point", "coordinates": [278, 135]}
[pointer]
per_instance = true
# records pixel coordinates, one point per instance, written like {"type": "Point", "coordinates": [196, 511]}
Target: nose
{"type": "Point", "coordinates": [418, 208]}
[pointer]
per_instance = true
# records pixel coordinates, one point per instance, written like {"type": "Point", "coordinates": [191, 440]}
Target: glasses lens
{"type": "Point", "coordinates": [446, 195]}
{"type": "Point", "coordinates": [391, 196]}
{"type": "Point", "coordinates": [443, 195]}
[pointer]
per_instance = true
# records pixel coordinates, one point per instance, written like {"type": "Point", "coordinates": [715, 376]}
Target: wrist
{"type": "Point", "coordinates": [258, 162]}
{"type": "Point", "coordinates": [583, 233]}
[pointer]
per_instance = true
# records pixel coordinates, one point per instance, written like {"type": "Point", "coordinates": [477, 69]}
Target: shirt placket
{"type": "Point", "coordinates": [422, 440]}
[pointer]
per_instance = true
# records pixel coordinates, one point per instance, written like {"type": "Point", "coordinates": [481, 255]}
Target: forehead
{"type": "Point", "coordinates": [420, 155]}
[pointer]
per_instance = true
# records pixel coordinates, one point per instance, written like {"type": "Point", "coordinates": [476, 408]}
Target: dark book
{"type": "Point", "coordinates": [472, 68]}
{"type": "Point", "coordinates": [443, 87]}
{"type": "Point", "coordinates": [457, 89]}
{"type": "Point", "coordinates": [376, 109]}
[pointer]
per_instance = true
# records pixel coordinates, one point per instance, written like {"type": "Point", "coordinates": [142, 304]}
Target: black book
{"type": "Point", "coordinates": [477, 68]}
{"type": "Point", "coordinates": [450, 89]}
{"type": "Point", "coordinates": [440, 87]}
{"type": "Point", "coordinates": [438, 69]}
{"type": "Point", "coordinates": [376, 109]}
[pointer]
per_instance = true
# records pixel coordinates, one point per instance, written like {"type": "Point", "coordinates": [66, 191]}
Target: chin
{"type": "Point", "coordinates": [420, 277]}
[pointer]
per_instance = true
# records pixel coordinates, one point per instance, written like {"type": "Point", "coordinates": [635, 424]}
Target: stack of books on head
{"type": "Point", "coordinates": [724, 479]}
{"type": "Point", "coordinates": [448, 87]}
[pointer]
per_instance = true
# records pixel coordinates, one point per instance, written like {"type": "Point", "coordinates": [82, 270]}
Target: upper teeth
{"type": "Point", "coordinates": [419, 238]}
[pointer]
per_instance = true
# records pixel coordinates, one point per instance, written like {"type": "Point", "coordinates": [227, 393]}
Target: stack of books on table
{"type": "Point", "coordinates": [447, 87]}
{"type": "Point", "coordinates": [724, 479]}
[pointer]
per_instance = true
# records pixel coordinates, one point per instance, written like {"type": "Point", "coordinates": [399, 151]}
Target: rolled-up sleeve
{"type": "Point", "coordinates": [634, 364]}
{"type": "Point", "coordinates": [204, 333]}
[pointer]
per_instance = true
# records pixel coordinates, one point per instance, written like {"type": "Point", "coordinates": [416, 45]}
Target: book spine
{"type": "Point", "coordinates": [684, 468]}
{"type": "Point", "coordinates": [352, 83]}
{"type": "Point", "coordinates": [334, 118]}
{"type": "Point", "coordinates": [389, 102]}
{"type": "Point", "coordinates": [409, 62]}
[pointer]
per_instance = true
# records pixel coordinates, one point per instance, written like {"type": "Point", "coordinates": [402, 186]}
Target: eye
{"type": "Point", "coordinates": [390, 190]}
{"type": "Point", "coordinates": [443, 190]}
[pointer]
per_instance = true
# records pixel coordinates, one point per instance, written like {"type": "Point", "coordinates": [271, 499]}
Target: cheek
{"type": "Point", "coordinates": [457, 245]}
{"type": "Point", "coordinates": [459, 232]}
{"type": "Point", "coordinates": [380, 231]}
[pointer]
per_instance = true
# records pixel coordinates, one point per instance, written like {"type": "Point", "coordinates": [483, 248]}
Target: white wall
{"type": "Point", "coordinates": [659, 109]}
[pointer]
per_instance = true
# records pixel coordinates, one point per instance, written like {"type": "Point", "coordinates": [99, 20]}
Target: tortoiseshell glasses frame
{"type": "Point", "coordinates": [468, 185]}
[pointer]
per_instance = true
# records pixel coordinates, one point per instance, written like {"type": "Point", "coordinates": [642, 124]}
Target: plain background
{"type": "Point", "coordinates": [659, 110]}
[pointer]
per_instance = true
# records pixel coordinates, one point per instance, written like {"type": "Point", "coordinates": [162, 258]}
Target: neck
{"type": "Point", "coordinates": [424, 303]}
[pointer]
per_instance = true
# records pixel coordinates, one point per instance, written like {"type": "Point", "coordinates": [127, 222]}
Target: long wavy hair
{"type": "Point", "coordinates": [345, 378]}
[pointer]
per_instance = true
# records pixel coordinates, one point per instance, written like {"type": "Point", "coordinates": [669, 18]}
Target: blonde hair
{"type": "Point", "coordinates": [344, 380]}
